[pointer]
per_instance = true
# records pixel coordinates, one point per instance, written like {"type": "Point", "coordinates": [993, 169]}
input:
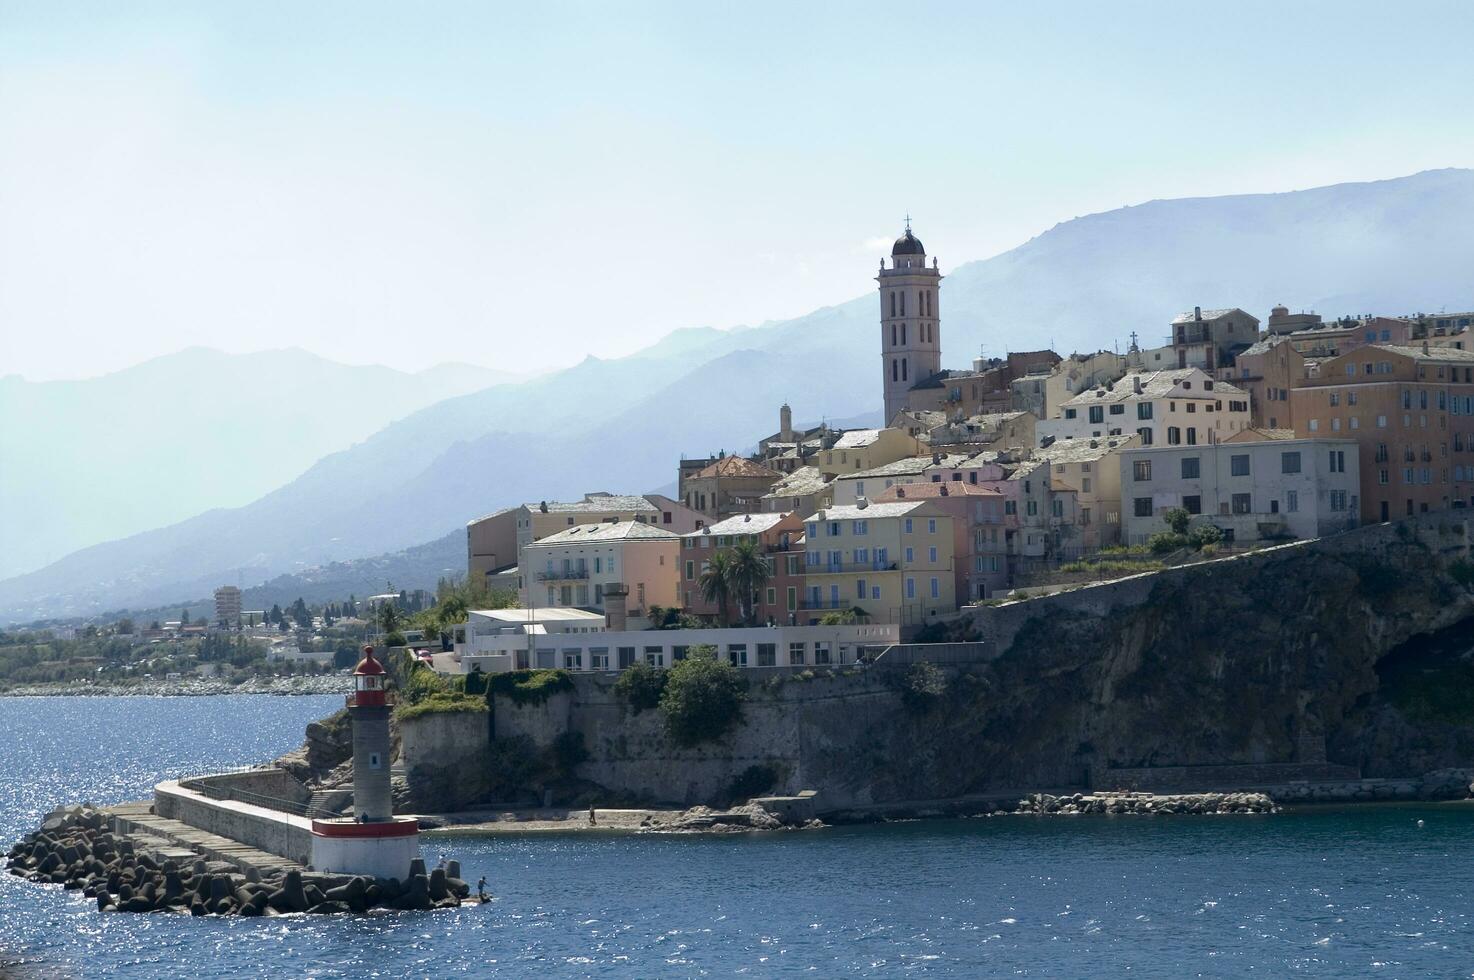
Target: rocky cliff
{"type": "Point", "coordinates": [1319, 660]}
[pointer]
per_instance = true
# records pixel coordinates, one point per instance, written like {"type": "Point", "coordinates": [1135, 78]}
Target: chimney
{"type": "Point", "coordinates": [943, 491]}
{"type": "Point", "coordinates": [900, 492]}
{"type": "Point", "coordinates": [616, 608]}
{"type": "Point", "coordinates": [1197, 312]}
{"type": "Point", "coordinates": [861, 503]}
{"type": "Point", "coordinates": [1136, 383]}
{"type": "Point", "coordinates": [1425, 346]}
{"type": "Point", "coordinates": [936, 459]}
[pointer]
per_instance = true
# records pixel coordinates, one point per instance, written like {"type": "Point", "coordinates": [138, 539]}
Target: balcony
{"type": "Point", "coordinates": [845, 568]}
{"type": "Point", "coordinates": [565, 575]}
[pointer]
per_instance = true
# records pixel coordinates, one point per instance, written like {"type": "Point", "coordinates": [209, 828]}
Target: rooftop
{"type": "Point", "coordinates": [929, 490]}
{"type": "Point", "coordinates": [540, 614]}
{"type": "Point", "coordinates": [607, 531]}
{"type": "Point", "coordinates": [1154, 384]}
{"type": "Point", "coordinates": [596, 503]}
{"type": "Point", "coordinates": [1445, 354]}
{"type": "Point", "coordinates": [740, 524]}
{"type": "Point", "coordinates": [1190, 317]}
{"type": "Point", "coordinates": [857, 438]}
{"type": "Point", "coordinates": [801, 482]}
{"type": "Point", "coordinates": [1084, 450]}
{"type": "Point", "coordinates": [736, 466]}
{"type": "Point", "coordinates": [855, 511]}
{"type": "Point", "coordinates": [907, 466]}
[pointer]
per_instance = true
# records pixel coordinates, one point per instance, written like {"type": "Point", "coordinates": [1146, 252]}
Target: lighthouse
{"type": "Point", "coordinates": [369, 707]}
{"type": "Point", "coordinates": [373, 841]}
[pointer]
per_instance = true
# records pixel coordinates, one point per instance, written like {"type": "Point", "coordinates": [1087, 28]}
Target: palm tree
{"type": "Point", "coordinates": [716, 583]}
{"type": "Point", "coordinates": [749, 572]}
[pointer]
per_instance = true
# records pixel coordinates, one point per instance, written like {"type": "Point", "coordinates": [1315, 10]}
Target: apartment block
{"type": "Point", "coordinates": [1252, 489]}
{"type": "Point", "coordinates": [893, 561]}
{"type": "Point", "coordinates": [577, 566]}
{"type": "Point", "coordinates": [1185, 406]}
{"type": "Point", "coordinates": [780, 538]}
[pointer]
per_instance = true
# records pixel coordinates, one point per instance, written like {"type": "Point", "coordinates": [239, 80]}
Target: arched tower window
{"type": "Point", "coordinates": [893, 335]}
{"type": "Point", "coordinates": [903, 304]}
{"type": "Point", "coordinates": [903, 335]}
{"type": "Point", "coordinates": [903, 370]}
{"type": "Point", "coordinates": [895, 370]}
{"type": "Point", "coordinates": [893, 304]}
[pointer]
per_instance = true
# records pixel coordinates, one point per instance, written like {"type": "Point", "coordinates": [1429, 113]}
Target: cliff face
{"type": "Point", "coordinates": [1351, 652]}
{"type": "Point", "coordinates": [1268, 659]}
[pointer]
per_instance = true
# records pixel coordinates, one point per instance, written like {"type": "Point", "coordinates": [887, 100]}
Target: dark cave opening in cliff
{"type": "Point", "coordinates": [1431, 676]}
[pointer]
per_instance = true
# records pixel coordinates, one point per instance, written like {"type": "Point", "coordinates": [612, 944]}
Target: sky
{"type": "Point", "coordinates": [522, 185]}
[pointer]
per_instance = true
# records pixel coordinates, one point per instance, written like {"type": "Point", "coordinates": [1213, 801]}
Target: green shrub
{"type": "Point", "coordinates": [640, 686]}
{"type": "Point", "coordinates": [1204, 535]}
{"type": "Point", "coordinates": [1165, 541]}
{"type": "Point", "coordinates": [702, 699]}
{"type": "Point", "coordinates": [394, 638]}
{"type": "Point", "coordinates": [441, 704]}
{"type": "Point", "coordinates": [1177, 520]}
{"type": "Point", "coordinates": [753, 781]}
{"type": "Point", "coordinates": [923, 686]}
{"type": "Point", "coordinates": [419, 682]}
{"type": "Point", "coordinates": [476, 682]}
{"type": "Point", "coordinates": [529, 686]}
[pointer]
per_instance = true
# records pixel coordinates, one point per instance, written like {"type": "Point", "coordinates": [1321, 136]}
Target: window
{"type": "Point", "coordinates": [1141, 470]}
{"type": "Point", "coordinates": [1381, 421]}
{"type": "Point", "coordinates": [1097, 413]}
{"type": "Point", "coordinates": [1292, 501]}
{"type": "Point", "coordinates": [690, 569]}
{"type": "Point", "coordinates": [931, 525]}
{"type": "Point", "coordinates": [911, 588]}
{"type": "Point", "coordinates": [1191, 467]}
{"type": "Point", "coordinates": [861, 527]}
{"type": "Point", "coordinates": [931, 555]}
{"type": "Point", "coordinates": [910, 555]}
{"type": "Point", "coordinates": [1315, 425]}
{"type": "Point", "coordinates": [1238, 465]}
{"type": "Point", "coordinates": [1242, 503]}
{"type": "Point", "coordinates": [936, 588]}
{"type": "Point", "coordinates": [1338, 461]}
{"type": "Point", "coordinates": [1174, 436]}
{"type": "Point", "coordinates": [1193, 504]}
{"type": "Point", "coordinates": [1010, 507]}
{"type": "Point", "coordinates": [1118, 409]}
{"type": "Point", "coordinates": [1289, 462]}
{"type": "Point", "coordinates": [1033, 508]}
{"type": "Point", "coordinates": [1071, 413]}
{"type": "Point", "coordinates": [908, 525]}
{"type": "Point", "coordinates": [1146, 436]}
{"type": "Point", "coordinates": [1085, 484]}
{"type": "Point", "coordinates": [767, 654]}
{"type": "Point", "coordinates": [1143, 506]}
{"type": "Point", "coordinates": [1143, 410]}
{"type": "Point", "coordinates": [859, 588]}
{"type": "Point", "coordinates": [796, 654]}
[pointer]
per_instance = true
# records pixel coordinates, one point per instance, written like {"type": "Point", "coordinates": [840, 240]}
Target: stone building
{"type": "Point", "coordinates": [731, 485]}
{"type": "Point", "coordinates": [910, 320]}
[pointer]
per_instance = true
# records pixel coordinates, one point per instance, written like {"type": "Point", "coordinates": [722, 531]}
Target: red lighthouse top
{"type": "Point", "coordinates": [368, 683]}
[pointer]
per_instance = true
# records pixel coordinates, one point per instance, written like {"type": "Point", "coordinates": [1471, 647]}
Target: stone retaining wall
{"type": "Point", "coordinates": [1187, 779]}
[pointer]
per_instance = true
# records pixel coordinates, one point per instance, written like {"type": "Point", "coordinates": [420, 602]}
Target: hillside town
{"type": "Point", "coordinates": [1020, 472]}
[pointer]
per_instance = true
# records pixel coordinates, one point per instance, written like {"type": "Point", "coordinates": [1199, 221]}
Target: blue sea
{"type": "Point", "coordinates": [1320, 893]}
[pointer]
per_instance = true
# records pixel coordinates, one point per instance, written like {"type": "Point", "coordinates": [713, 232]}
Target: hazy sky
{"type": "Point", "coordinates": [521, 185]}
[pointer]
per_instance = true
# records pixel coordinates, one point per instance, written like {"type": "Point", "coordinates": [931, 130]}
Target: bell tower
{"type": "Point", "coordinates": [910, 320]}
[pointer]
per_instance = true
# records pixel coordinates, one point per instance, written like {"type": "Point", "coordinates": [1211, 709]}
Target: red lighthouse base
{"type": "Point", "coordinates": [380, 848]}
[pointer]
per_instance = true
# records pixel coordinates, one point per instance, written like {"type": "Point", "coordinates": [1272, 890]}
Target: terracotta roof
{"type": "Point", "coordinates": [737, 466]}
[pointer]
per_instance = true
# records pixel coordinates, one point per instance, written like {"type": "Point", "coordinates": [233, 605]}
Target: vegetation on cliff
{"type": "Point", "coordinates": [527, 686]}
{"type": "Point", "coordinates": [702, 699]}
{"type": "Point", "coordinates": [449, 702]}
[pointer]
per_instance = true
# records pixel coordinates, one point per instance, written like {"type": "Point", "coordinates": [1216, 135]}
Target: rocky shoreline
{"type": "Point", "coordinates": [187, 688]}
{"type": "Point", "coordinates": [76, 848]}
{"type": "Point", "coordinates": [1145, 803]}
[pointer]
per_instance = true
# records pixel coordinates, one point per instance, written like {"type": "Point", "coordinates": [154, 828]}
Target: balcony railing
{"type": "Point", "coordinates": [564, 575]}
{"type": "Point", "coordinates": [843, 568]}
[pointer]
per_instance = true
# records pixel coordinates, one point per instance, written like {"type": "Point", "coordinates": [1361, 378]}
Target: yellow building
{"type": "Point", "coordinates": [892, 560]}
{"type": "Point", "coordinates": [865, 449]}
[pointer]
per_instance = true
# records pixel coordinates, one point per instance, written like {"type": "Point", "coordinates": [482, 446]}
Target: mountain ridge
{"type": "Point", "coordinates": [1086, 283]}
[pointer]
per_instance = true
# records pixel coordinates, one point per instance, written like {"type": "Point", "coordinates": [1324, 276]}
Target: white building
{"type": "Point", "coordinates": [757, 646]}
{"type": "Point", "coordinates": [1183, 406]}
{"type": "Point", "coordinates": [1305, 488]}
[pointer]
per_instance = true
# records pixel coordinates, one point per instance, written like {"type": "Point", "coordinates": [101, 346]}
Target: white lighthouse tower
{"type": "Point", "coordinates": [910, 320]}
{"type": "Point", "coordinates": [374, 841]}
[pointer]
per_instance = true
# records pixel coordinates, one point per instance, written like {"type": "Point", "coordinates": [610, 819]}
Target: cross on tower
{"type": "Point", "coordinates": [908, 220]}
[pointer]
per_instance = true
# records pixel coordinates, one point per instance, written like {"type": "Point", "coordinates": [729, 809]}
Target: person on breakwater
{"type": "Point", "coordinates": [481, 889]}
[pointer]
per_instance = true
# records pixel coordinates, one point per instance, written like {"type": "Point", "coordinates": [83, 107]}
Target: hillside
{"type": "Point", "coordinates": [178, 434]}
{"type": "Point", "coordinates": [1388, 246]}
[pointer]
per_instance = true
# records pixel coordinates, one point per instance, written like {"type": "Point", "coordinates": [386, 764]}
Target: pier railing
{"type": "Point", "coordinates": [209, 786]}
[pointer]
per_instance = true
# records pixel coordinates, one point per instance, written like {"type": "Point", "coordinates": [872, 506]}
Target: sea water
{"type": "Point", "coordinates": [1322, 892]}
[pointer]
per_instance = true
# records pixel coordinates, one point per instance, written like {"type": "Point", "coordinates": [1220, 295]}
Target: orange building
{"type": "Point", "coordinates": [1411, 409]}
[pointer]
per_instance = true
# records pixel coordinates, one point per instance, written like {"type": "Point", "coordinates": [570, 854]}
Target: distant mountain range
{"type": "Point", "coordinates": [1389, 246]}
{"type": "Point", "coordinates": [85, 461]}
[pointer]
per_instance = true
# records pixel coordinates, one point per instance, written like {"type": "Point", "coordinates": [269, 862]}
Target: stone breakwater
{"type": "Point", "coordinates": [1147, 803]}
{"type": "Point", "coordinates": [76, 848]}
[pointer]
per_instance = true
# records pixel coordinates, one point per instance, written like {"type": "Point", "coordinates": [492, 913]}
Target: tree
{"type": "Point", "coordinates": [640, 685]}
{"type": "Point", "coordinates": [389, 618]}
{"type": "Point", "coordinates": [274, 617]}
{"type": "Point", "coordinates": [125, 626]}
{"type": "Point", "coordinates": [702, 698]}
{"type": "Point", "coordinates": [184, 617]}
{"type": "Point", "coordinates": [1177, 520]}
{"type": "Point", "coordinates": [716, 583]}
{"type": "Point", "coordinates": [749, 571]}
